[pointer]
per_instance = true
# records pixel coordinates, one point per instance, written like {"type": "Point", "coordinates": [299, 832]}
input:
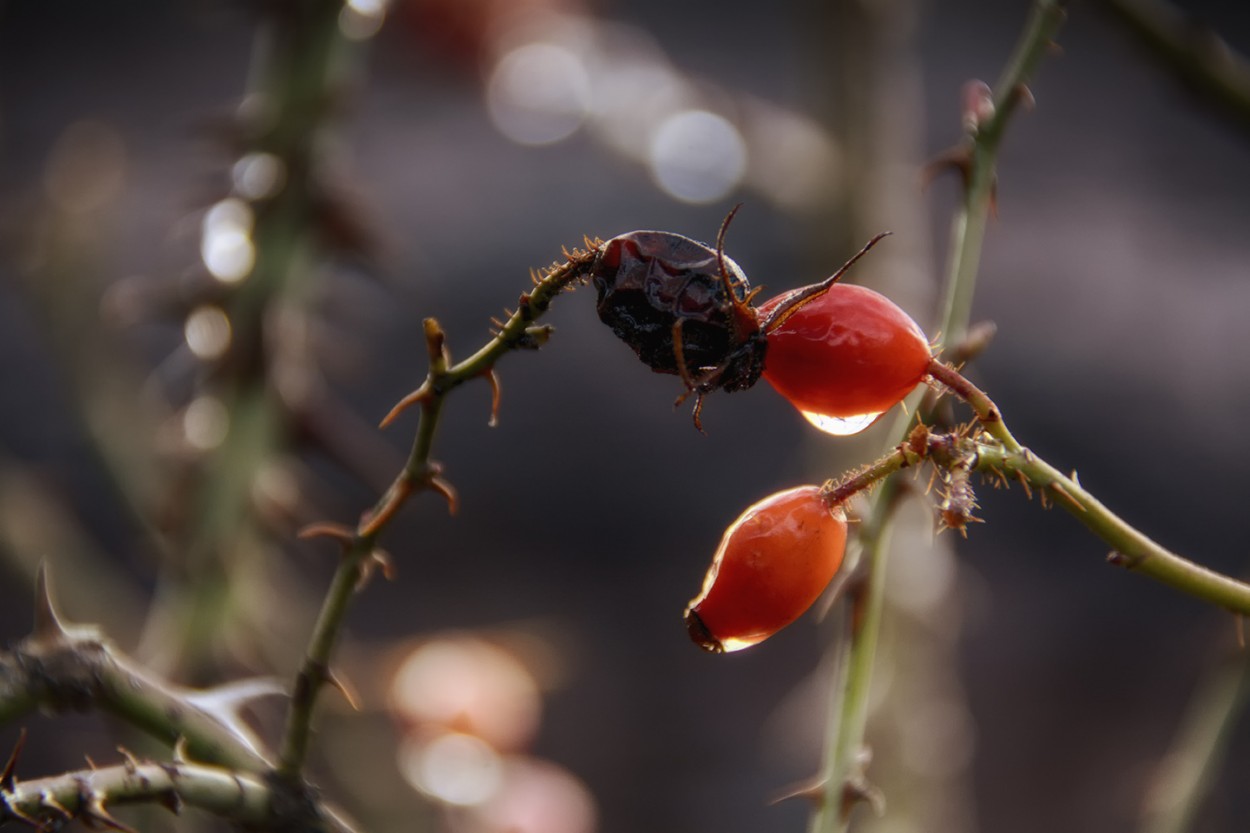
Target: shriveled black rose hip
{"type": "Point", "coordinates": [663, 294]}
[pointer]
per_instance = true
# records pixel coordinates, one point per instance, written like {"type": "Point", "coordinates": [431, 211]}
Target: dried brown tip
{"type": "Point", "coordinates": [701, 635]}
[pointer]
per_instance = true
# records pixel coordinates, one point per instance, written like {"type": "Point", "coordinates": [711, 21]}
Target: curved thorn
{"type": "Point", "coordinates": [444, 488]}
{"type": "Point", "coordinates": [421, 394]}
{"type": "Point", "coordinates": [381, 560]}
{"type": "Point", "coordinates": [47, 799]}
{"type": "Point", "coordinates": [95, 811]}
{"type": "Point", "coordinates": [47, 621]}
{"type": "Point", "coordinates": [327, 529]}
{"type": "Point", "coordinates": [343, 687]}
{"type": "Point", "coordinates": [395, 496]}
{"type": "Point", "coordinates": [495, 393]}
{"type": "Point", "coordinates": [129, 762]}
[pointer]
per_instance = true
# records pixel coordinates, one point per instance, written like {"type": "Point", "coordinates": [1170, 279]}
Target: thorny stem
{"type": "Point", "coordinates": [1131, 549]}
{"type": "Point", "coordinates": [419, 472]}
{"type": "Point", "coordinates": [844, 741]}
{"type": "Point", "coordinates": [299, 69]}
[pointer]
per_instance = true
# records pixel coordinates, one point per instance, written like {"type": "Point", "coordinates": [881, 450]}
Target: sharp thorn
{"type": "Point", "coordinates": [419, 395]}
{"type": "Point", "coordinates": [493, 378]}
{"type": "Point", "coordinates": [48, 623]}
{"type": "Point", "coordinates": [345, 688]}
{"type": "Point", "coordinates": [812, 790]}
{"type": "Point", "coordinates": [382, 561]}
{"type": "Point", "coordinates": [326, 529]}
{"type": "Point", "coordinates": [47, 799]}
{"type": "Point", "coordinates": [444, 488]}
{"type": "Point", "coordinates": [129, 762]}
{"type": "Point", "coordinates": [95, 811]}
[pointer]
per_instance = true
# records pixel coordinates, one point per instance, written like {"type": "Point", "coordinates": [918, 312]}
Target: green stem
{"type": "Point", "coordinates": [978, 160]}
{"type": "Point", "coordinates": [1131, 549]}
{"type": "Point", "coordinates": [840, 769]}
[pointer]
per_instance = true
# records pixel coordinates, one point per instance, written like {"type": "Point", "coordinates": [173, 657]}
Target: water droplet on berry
{"type": "Point", "coordinates": [841, 426]}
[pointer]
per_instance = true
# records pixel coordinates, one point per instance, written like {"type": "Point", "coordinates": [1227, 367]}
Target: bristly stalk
{"type": "Point", "coordinates": [360, 553]}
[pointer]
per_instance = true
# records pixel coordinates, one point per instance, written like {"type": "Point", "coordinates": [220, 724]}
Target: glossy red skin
{"type": "Point", "coordinates": [847, 352]}
{"type": "Point", "coordinates": [773, 562]}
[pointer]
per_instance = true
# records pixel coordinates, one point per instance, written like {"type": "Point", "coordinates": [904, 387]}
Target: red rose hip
{"type": "Point", "coordinates": [773, 563]}
{"type": "Point", "coordinates": [844, 356]}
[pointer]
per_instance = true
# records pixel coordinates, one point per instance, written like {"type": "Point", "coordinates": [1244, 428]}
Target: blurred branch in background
{"type": "Point", "coordinates": [1182, 781]}
{"type": "Point", "coordinates": [266, 246]}
{"type": "Point", "coordinates": [1194, 52]}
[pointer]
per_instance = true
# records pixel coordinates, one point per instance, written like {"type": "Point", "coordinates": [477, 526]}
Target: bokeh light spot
{"type": "Point", "coordinates": [258, 176]}
{"type": "Point", "coordinates": [538, 94]}
{"type": "Point", "coordinates": [697, 156]}
{"type": "Point", "coordinates": [207, 331]}
{"type": "Point", "coordinates": [539, 797]}
{"type": "Point", "coordinates": [469, 685]}
{"type": "Point", "coordinates": [452, 768]}
{"type": "Point", "coordinates": [226, 241]}
{"type": "Point", "coordinates": [205, 423]}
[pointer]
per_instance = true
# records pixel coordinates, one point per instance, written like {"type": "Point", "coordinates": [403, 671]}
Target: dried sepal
{"type": "Point", "coordinates": [959, 501]}
{"type": "Point", "coordinates": [8, 778]}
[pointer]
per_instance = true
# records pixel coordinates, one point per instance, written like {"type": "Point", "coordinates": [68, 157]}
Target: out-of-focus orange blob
{"type": "Point", "coordinates": [773, 562]}
{"type": "Point", "coordinates": [469, 685]}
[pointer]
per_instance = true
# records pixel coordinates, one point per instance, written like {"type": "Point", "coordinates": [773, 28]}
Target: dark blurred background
{"type": "Point", "coordinates": [1039, 687]}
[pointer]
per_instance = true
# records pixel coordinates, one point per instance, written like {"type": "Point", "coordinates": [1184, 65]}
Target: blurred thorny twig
{"type": "Point", "coordinates": [284, 206]}
{"type": "Point", "coordinates": [1194, 53]}
{"type": "Point", "coordinates": [286, 219]}
{"type": "Point", "coordinates": [360, 553]}
{"type": "Point", "coordinates": [986, 114]}
{"type": "Point", "coordinates": [217, 763]}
